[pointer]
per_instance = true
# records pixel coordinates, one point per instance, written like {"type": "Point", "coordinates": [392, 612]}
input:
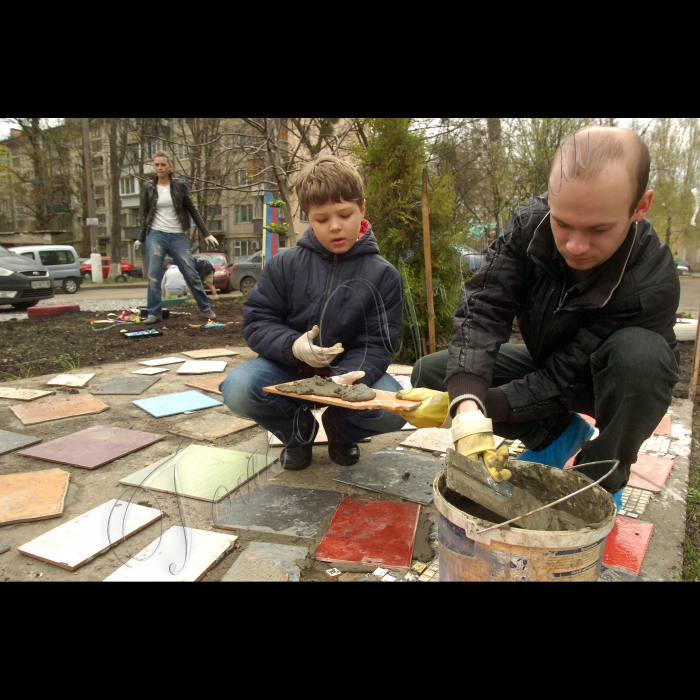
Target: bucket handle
{"type": "Point", "coordinates": [615, 462]}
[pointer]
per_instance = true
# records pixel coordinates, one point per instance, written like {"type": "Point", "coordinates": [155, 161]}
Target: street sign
{"type": "Point", "coordinates": [92, 222]}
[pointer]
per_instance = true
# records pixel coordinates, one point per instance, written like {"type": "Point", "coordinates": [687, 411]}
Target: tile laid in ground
{"type": "Point", "coordinates": [172, 404]}
{"type": "Point", "coordinates": [664, 428]}
{"type": "Point", "coordinates": [162, 361]}
{"type": "Point", "coordinates": [401, 474]}
{"type": "Point", "coordinates": [212, 352]}
{"type": "Point", "coordinates": [627, 544]}
{"type": "Point", "coordinates": [656, 443]}
{"type": "Point", "coordinates": [432, 573]}
{"type": "Point", "coordinates": [261, 561]}
{"type": "Point", "coordinates": [211, 426]}
{"type": "Point", "coordinates": [58, 408]}
{"type": "Point", "coordinates": [151, 370]}
{"type": "Point", "coordinates": [74, 380]}
{"type": "Point", "coordinates": [203, 473]}
{"type": "Point", "coordinates": [125, 386]}
{"type": "Point", "coordinates": [283, 510]}
{"type": "Point", "coordinates": [4, 547]}
{"type": "Point", "coordinates": [613, 575]}
{"type": "Point", "coordinates": [93, 447]}
{"type": "Point", "coordinates": [209, 384]}
{"type": "Point", "coordinates": [634, 501]}
{"type": "Point", "coordinates": [32, 496]}
{"type": "Point", "coordinates": [23, 394]}
{"type": "Point", "coordinates": [650, 472]}
{"type": "Point", "coordinates": [79, 541]}
{"type": "Point", "coordinates": [9, 442]}
{"type": "Point", "coordinates": [202, 367]}
{"type": "Point", "coordinates": [372, 533]}
{"type": "Point", "coordinates": [181, 554]}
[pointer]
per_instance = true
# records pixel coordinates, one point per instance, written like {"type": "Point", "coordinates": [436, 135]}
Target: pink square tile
{"type": "Point", "coordinates": [655, 469]}
{"type": "Point", "coordinates": [627, 544]}
{"type": "Point", "coordinates": [664, 428]}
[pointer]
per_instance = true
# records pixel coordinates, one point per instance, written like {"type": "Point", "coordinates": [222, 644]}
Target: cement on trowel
{"type": "Point", "coordinates": [534, 485]}
{"type": "Point", "coordinates": [323, 386]}
{"type": "Point", "coordinates": [261, 561]}
{"type": "Point", "coordinates": [403, 474]}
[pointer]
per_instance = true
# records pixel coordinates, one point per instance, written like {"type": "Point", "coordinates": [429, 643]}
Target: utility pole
{"type": "Point", "coordinates": [92, 219]}
{"type": "Point", "coordinates": [428, 263]}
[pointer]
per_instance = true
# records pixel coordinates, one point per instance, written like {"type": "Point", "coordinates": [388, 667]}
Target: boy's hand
{"type": "Point", "coordinates": [433, 409]}
{"type": "Point", "coordinates": [349, 378]}
{"type": "Point", "coordinates": [305, 351]}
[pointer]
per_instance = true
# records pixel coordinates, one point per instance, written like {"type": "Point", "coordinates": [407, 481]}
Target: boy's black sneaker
{"type": "Point", "coordinates": [297, 458]}
{"type": "Point", "coordinates": [343, 453]}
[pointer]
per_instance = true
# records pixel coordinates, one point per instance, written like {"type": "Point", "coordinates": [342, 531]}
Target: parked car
{"type": "Point", "coordinates": [683, 270]}
{"type": "Point", "coordinates": [23, 281]}
{"type": "Point", "coordinates": [471, 262]}
{"type": "Point", "coordinates": [61, 261]}
{"type": "Point", "coordinates": [687, 264]}
{"type": "Point", "coordinates": [126, 270]}
{"type": "Point", "coordinates": [246, 271]}
{"type": "Point", "coordinates": [222, 269]}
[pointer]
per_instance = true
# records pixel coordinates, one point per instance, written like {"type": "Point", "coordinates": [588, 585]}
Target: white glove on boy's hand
{"type": "Point", "coordinates": [211, 240]}
{"type": "Point", "coordinates": [349, 378]}
{"type": "Point", "coordinates": [314, 356]}
{"type": "Point", "coordinates": [137, 245]}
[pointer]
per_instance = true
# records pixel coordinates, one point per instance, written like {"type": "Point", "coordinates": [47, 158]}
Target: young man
{"type": "Point", "coordinates": [331, 306]}
{"type": "Point", "coordinates": [595, 293]}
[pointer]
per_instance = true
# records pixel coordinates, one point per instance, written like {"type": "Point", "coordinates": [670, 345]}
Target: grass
{"type": "Point", "coordinates": [691, 545]}
{"type": "Point", "coordinates": [24, 373]}
{"type": "Point", "coordinates": [69, 363]}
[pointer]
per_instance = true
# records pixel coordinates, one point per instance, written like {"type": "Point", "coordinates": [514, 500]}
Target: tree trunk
{"type": "Point", "coordinates": [285, 186]}
{"type": "Point", "coordinates": [116, 160]}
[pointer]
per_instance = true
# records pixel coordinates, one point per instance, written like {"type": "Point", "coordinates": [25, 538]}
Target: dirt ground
{"type": "Point", "coordinates": [89, 489]}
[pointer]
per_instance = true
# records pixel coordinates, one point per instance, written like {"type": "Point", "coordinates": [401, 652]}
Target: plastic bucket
{"type": "Point", "coordinates": [516, 554]}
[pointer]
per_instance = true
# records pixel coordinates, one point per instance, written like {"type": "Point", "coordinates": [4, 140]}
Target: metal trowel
{"type": "Point", "coordinates": [476, 469]}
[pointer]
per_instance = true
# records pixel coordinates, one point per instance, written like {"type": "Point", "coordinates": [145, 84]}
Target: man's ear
{"type": "Point", "coordinates": [642, 209]}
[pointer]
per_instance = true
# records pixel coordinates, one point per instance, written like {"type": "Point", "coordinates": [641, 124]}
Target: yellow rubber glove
{"type": "Point", "coordinates": [473, 437]}
{"type": "Point", "coordinates": [433, 409]}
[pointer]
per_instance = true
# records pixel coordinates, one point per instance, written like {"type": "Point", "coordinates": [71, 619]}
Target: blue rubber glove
{"type": "Point", "coordinates": [617, 497]}
{"type": "Point", "coordinates": [564, 447]}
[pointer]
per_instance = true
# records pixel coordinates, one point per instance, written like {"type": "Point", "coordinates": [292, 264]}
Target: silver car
{"type": "Point", "coordinates": [23, 282]}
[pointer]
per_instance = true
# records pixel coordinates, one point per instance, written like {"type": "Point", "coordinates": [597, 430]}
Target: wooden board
{"type": "Point", "coordinates": [74, 380]}
{"type": "Point", "coordinates": [58, 408]}
{"type": "Point", "coordinates": [151, 370]}
{"type": "Point", "coordinates": [211, 426]}
{"type": "Point", "coordinates": [202, 472]}
{"type": "Point", "coordinates": [181, 554]}
{"type": "Point", "coordinates": [15, 441]}
{"type": "Point", "coordinates": [384, 399]}
{"type": "Point", "coordinates": [23, 394]}
{"type": "Point", "coordinates": [202, 367]}
{"type": "Point", "coordinates": [79, 541]}
{"type": "Point", "coordinates": [209, 384]}
{"type": "Point", "coordinates": [93, 447]}
{"type": "Point", "coordinates": [161, 361]}
{"type": "Point", "coordinates": [213, 352]}
{"type": "Point", "coordinates": [32, 496]}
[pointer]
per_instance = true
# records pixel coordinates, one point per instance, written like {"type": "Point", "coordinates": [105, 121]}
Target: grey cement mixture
{"type": "Point", "coordinates": [323, 386]}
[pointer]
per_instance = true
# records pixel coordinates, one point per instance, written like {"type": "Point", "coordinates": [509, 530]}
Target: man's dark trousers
{"type": "Point", "coordinates": [628, 393]}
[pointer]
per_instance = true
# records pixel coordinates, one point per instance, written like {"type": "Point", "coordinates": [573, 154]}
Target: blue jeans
{"type": "Point", "coordinates": [158, 245]}
{"type": "Point", "coordinates": [291, 420]}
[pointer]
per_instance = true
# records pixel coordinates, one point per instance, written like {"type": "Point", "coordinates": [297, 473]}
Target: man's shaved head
{"type": "Point", "coordinates": [587, 152]}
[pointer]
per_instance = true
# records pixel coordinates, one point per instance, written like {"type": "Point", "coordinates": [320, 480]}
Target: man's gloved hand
{"type": "Point", "coordinates": [473, 437]}
{"type": "Point", "coordinates": [433, 409]}
{"type": "Point", "coordinates": [211, 240]}
{"type": "Point", "coordinates": [349, 378]}
{"type": "Point", "coordinates": [313, 355]}
{"type": "Point", "coordinates": [137, 245]}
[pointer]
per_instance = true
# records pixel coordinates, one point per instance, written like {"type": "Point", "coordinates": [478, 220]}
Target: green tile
{"type": "Point", "coordinates": [204, 473]}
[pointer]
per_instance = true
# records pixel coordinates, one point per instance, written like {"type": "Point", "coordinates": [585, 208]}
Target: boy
{"type": "Point", "coordinates": [205, 270]}
{"type": "Point", "coordinates": [331, 306]}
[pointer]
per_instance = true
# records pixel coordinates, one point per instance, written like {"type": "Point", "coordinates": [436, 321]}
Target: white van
{"type": "Point", "coordinates": [61, 261]}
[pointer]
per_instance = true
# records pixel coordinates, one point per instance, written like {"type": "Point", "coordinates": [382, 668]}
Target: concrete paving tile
{"type": "Point", "coordinates": [650, 472]}
{"type": "Point", "coordinates": [32, 496]}
{"type": "Point", "coordinates": [58, 408]}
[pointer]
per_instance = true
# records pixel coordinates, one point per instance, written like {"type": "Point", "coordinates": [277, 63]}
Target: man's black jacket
{"type": "Point", "coordinates": [184, 207]}
{"type": "Point", "coordinates": [524, 276]}
{"type": "Point", "coordinates": [355, 298]}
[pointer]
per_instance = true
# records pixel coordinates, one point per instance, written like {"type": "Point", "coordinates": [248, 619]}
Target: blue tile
{"type": "Point", "coordinates": [172, 404]}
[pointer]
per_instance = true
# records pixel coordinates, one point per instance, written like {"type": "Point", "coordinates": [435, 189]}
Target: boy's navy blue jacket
{"type": "Point", "coordinates": [355, 298]}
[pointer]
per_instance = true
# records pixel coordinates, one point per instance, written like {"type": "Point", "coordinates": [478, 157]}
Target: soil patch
{"type": "Point", "coordinates": [66, 342]}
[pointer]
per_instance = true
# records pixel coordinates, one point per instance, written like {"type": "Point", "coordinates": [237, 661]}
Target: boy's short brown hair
{"type": "Point", "coordinates": [329, 179]}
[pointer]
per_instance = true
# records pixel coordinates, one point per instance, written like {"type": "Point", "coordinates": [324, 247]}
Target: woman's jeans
{"type": "Point", "coordinates": [158, 245]}
{"type": "Point", "coordinates": [291, 420]}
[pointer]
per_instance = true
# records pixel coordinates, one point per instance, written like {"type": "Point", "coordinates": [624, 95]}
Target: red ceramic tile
{"type": "Point", "coordinates": [627, 544]}
{"type": "Point", "coordinates": [374, 533]}
{"type": "Point", "coordinates": [664, 427]}
{"type": "Point", "coordinates": [655, 469]}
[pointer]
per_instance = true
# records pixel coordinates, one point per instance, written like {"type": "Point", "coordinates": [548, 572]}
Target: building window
{"type": "Point", "coordinates": [215, 225]}
{"type": "Point", "coordinates": [16, 162]}
{"type": "Point", "coordinates": [240, 178]}
{"type": "Point", "coordinates": [243, 248]}
{"type": "Point", "coordinates": [96, 146]}
{"type": "Point", "coordinates": [100, 203]}
{"type": "Point", "coordinates": [102, 218]}
{"type": "Point", "coordinates": [213, 210]}
{"type": "Point", "coordinates": [127, 185]}
{"type": "Point", "coordinates": [98, 175]}
{"type": "Point", "coordinates": [102, 232]}
{"type": "Point", "coordinates": [97, 161]}
{"type": "Point", "coordinates": [243, 213]}
{"type": "Point", "coordinates": [302, 217]}
{"type": "Point", "coordinates": [95, 132]}
{"type": "Point", "coordinates": [6, 206]}
{"type": "Point", "coordinates": [99, 191]}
